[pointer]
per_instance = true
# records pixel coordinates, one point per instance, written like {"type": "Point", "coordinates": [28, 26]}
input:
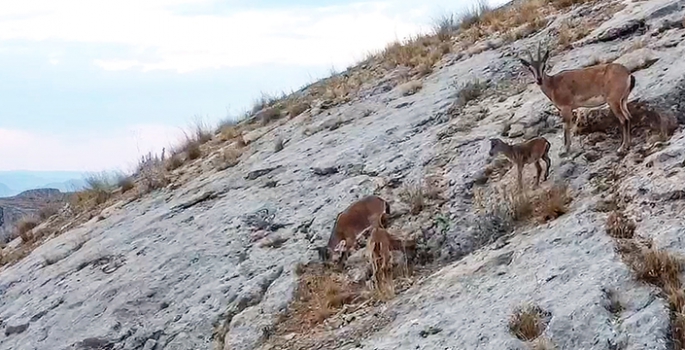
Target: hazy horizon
{"type": "Point", "coordinates": [92, 87]}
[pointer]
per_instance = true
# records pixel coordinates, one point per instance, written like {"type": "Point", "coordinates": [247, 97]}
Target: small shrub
{"type": "Point", "coordinates": [320, 294]}
{"type": "Point", "coordinates": [528, 322]}
{"type": "Point", "coordinates": [174, 162]}
{"type": "Point", "coordinates": [619, 226]}
{"type": "Point", "coordinates": [49, 210]}
{"type": "Point", "coordinates": [543, 344]}
{"type": "Point", "coordinates": [268, 115]}
{"type": "Point", "coordinates": [278, 144]}
{"type": "Point", "coordinates": [413, 196]}
{"type": "Point", "coordinates": [126, 183]}
{"type": "Point", "coordinates": [192, 150]}
{"type": "Point", "coordinates": [470, 92]}
{"type": "Point", "coordinates": [410, 88]}
{"type": "Point", "coordinates": [230, 157]}
{"type": "Point", "coordinates": [24, 229]}
{"type": "Point", "coordinates": [297, 108]}
{"type": "Point", "coordinates": [229, 132]}
{"type": "Point", "coordinates": [201, 132]}
{"type": "Point", "coordinates": [474, 15]}
{"type": "Point", "coordinates": [552, 203]}
{"type": "Point", "coordinates": [561, 4]}
{"type": "Point", "coordinates": [659, 268]}
{"type": "Point", "coordinates": [97, 191]}
{"type": "Point", "coordinates": [445, 26]}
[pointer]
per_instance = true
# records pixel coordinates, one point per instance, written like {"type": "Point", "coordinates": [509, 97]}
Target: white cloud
{"type": "Point", "coordinates": [336, 35]}
{"type": "Point", "coordinates": [21, 149]}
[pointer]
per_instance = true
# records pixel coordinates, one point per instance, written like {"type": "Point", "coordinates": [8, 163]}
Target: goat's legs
{"type": "Point", "coordinates": [616, 108]}
{"type": "Point", "coordinates": [545, 157]}
{"type": "Point", "coordinates": [538, 168]}
{"type": "Point", "coordinates": [626, 117]}
{"type": "Point", "coordinates": [567, 118]}
{"type": "Point", "coordinates": [519, 176]}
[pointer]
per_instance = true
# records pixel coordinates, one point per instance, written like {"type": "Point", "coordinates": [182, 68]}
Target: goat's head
{"type": "Point", "coordinates": [496, 146]}
{"type": "Point", "coordinates": [537, 65]}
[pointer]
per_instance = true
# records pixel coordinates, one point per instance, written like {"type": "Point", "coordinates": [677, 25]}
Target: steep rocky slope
{"type": "Point", "coordinates": [215, 261]}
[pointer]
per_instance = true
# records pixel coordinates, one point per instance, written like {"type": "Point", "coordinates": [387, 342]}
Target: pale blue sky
{"type": "Point", "coordinates": [90, 85]}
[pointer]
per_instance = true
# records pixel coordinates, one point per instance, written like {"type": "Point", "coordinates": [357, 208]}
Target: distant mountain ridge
{"type": "Point", "coordinates": [17, 181]}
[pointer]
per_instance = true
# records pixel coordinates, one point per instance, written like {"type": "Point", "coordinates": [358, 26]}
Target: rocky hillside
{"type": "Point", "coordinates": [26, 204]}
{"type": "Point", "coordinates": [218, 252]}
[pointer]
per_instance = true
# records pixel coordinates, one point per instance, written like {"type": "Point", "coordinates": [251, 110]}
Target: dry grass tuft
{"type": "Point", "coordinates": [268, 115]}
{"type": "Point", "coordinates": [192, 150]}
{"type": "Point", "coordinates": [468, 92]}
{"type": "Point", "coordinates": [296, 108]}
{"type": "Point", "coordinates": [49, 210]}
{"type": "Point", "coordinates": [200, 131]}
{"type": "Point", "coordinates": [174, 162]}
{"type": "Point", "coordinates": [410, 88]}
{"type": "Point", "coordinates": [413, 195]}
{"type": "Point", "coordinates": [552, 202]}
{"type": "Point", "coordinates": [125, 183]}
{"type": "Point", "coordinates": [445, 25]}
{"type": "Point", "coordinates": [528, 322]}
{"type": "Point", "coordinates": [25, 227]}
{"type": "Point", "coordinates": [619, 226]}
{"type": "Point", "coordinates": [570, 32]}
{"type": "Point", "coordinates": [98, 190]}
{"type": "Point", "coordinates": [151, 172]}
{"type": "Point", "coordinates": [561, 4]}
{"type": "Point", "coordinates": [320, 294]}
{"type": "Point", "coordinates": [229, 158]}
{"type": "Point", "coordinates": [543, 344]}
{"type": "Point", "coordinates": [228, 132]}
{"type": "Point", "coordinates": [658, 267]}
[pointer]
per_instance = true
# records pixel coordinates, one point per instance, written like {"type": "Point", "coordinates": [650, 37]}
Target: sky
{"type": "Point", "coordinates": [91, 85]}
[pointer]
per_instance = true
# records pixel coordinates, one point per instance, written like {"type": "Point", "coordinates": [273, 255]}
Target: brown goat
{"type": "Point", "coordinates": [588, 87]}
{"type": "Point", "coordinates": [352, 222]}
{"type": "Point", "coordinates": [378, 249]}
{"type": "Point", "coordinates": [531, 151]}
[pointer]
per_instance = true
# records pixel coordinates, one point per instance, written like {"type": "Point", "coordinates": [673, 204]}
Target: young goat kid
{"type": "Point", "coordinates": [378, 249]}
{"type": "Point", "coordinates": [588, 87]}
{"type": "Point", "coordinates": [531, 151]}
{"type": "Point", "coordinates": [351, 223]}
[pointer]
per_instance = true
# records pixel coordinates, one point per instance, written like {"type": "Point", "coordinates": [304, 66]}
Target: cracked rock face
{"type": "Point", "coordinates": [211, 265]}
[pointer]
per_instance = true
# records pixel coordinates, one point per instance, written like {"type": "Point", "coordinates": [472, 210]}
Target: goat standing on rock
{"type": "Point", "coordinates": [531, 151]}
{"type": "Point", "coordinates": [588, 87]}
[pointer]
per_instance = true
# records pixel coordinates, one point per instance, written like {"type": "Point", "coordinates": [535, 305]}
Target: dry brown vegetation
{"type": "Point", "coordinates": [126, 183]}
{"type": "Point", "coordinates": [619, 226]}
{"type": "Point", "coordinates": [230, 157]}
{"type": "Point", "coordinates": [25, 227]}
{"type": "Point", "coordinates": [527, 322]}
{"type": "Point", "coordinates": [654, 266]}
{"type": "Point", "coordinates": [552, 202]}
{"type": "Point", "coordinates": [410, 88]}
{"type": "Point", "coordinates": [413, 196]}
{"type": "Point", "coordinates": [320, 294]}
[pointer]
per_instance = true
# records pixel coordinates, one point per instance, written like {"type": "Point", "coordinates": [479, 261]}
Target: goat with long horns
{"type": "Point", "coordinates": [588, 87]}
